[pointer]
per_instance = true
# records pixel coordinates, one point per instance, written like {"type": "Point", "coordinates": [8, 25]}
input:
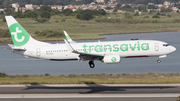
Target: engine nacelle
{"type": "Point", "coordinates": [111, 59]}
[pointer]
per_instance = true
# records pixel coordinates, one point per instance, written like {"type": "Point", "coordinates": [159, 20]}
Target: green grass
{"type": "Point", "coordinates": [150, 78]}
{"type": "Point", "coordinates": [78, 29]}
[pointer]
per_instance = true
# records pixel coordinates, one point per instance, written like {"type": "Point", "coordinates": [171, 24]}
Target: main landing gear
{"type": "Point", "coordinates": [158, 60]}
{"type": "Point", "coordinates": [91, 64]}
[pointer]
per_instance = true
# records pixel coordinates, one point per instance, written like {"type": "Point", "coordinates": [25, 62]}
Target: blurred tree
{"type": "Point", "coordinates": [45, 14]}
{"type": "Point", "coordinates": [143, 9]}
{"type": "Point", "coordinates": [46, 8]}
{"type": "Point", "coordinates": [67, 12]}
{"type": "Point", "coordinates": [152, 7]}
{"type": "Point", "coordinates": [86, 16]}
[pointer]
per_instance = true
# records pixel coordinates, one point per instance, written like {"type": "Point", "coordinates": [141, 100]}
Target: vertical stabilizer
{"type": "Point", "coordinates": [19, 35]}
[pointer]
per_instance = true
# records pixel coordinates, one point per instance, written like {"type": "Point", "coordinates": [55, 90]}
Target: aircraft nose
{"type": "Point", "coordinates": [172, 49]}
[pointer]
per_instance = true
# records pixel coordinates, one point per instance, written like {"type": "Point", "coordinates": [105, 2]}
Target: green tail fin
{"type": "Point", "coordinates": [18, 34]}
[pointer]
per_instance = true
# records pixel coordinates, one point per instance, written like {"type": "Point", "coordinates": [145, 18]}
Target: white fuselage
{"type": "Point", "coordinates": [126, 49]}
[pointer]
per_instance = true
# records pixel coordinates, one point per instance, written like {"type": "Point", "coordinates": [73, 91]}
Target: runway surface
{"type": "Point", "coordinates": [125, 92]}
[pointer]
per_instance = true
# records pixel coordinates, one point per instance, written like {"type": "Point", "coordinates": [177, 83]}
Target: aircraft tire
{"type": "Point", "coordinates": [159, 61]}
{"type": "Point", "coordinates": [91, 64]}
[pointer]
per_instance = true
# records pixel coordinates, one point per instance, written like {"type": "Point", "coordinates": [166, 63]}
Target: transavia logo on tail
{"type": "Point", "coordinates": [113, 59]}
{"type": "Point", "coordinates": [15, 35]}
{"type": "Point", "coordinates": [19, 36]}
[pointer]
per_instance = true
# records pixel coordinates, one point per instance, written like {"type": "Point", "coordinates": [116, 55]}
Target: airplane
{"type": "Point", "coordinates": [109, 52]}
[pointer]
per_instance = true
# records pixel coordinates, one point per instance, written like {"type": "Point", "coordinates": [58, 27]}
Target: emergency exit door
{"type": "Point", "coordinates": [38, 52]}
{"type": "Point", "coordinates": [156, 46]}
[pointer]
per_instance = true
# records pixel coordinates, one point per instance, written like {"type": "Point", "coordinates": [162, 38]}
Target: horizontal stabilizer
{"type": "Point", "coordinates": [16, 48]}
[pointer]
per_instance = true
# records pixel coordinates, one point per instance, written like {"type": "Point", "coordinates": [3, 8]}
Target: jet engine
{"type": "Point", "coordinates": [110, 59]}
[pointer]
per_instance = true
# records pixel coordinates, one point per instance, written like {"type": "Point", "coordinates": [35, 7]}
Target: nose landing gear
{"type": "Point", "coordinates": [91, 64]}
{"type": "Point", "coordinates": [159, 61]}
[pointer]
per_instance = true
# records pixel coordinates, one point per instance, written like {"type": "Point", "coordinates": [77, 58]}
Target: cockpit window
{"type": "Point", "coordinates": [166, 44]}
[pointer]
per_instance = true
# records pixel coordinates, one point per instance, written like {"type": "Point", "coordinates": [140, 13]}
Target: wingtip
{"type": "Point", "coordinates": [64, 32]}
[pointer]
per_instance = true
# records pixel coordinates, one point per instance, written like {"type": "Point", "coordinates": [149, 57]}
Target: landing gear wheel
{"type": "Point", "coordinates": [158, 61]}
{"type": "Point", "coordinates": [91, 64]}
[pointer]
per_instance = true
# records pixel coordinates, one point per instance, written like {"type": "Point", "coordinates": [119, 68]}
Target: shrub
{"type": "Point", "coordinates": [163, 14]}
{"type": "Point", "coordinates": [176, 20]}
{"type": "Point", "coordinates": [71, 76]}
{"type": "Point", "coordinates": [19, 15]}
{"type": "Point", "coordinates": [63, 20]}
{"type": "Point", "coordinates": [155, 16]}
{"type": "Point", "coordinates": [46, 8]}
{"type": "Point", "coordinates": [128, 16]}
{"type": "Point", "coordinates": [4, 20]}
{"type": "Point", "coordinates": [67, 12]}
{"type": "Point", "coordinates": [4, 33]}
{"type": "Point", "coordinates": [158, 13]}
{"type": "Point", "coordinates": [136, 14]}
{"type": "Point", "coordinates": [48, 33]}
{"type": "Point", "coordinates": [169, 15]}
{"type": "Point", "coordinates": [24, 76]}
{"type": "Point", "coordinates": [84, 16]}
{"type": "Point", "coordinates": [32, 14]}
{"type": "Point", "coordinates": [89, 14]}
{"type": "Point", "coordinates": [93, 12]}
{"type": "Point", "coordinates": [146, 17]}
{"type": "Point", "coordinates": [78, 16]}
{"type": "Point", "coordinates": [47, 74]}
{"type": "Point", "coordinates": [45, 14]}
{"type": "Point", "coordinates": [3, 74]}
{"type": "Point", "coordinates": [1, 12]}
{"type": "Point", "coordinates": [41, 20]}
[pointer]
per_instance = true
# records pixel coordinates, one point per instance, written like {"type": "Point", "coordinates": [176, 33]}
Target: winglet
{"type": "Point", "coordinates": [68, 38]}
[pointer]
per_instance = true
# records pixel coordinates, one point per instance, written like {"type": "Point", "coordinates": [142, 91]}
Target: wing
{"type": "Point", "coordinates": [84, 56]}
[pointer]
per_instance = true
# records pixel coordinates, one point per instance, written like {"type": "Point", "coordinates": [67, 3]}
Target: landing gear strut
{"type": "Point", "coordinates": [91, 64]}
